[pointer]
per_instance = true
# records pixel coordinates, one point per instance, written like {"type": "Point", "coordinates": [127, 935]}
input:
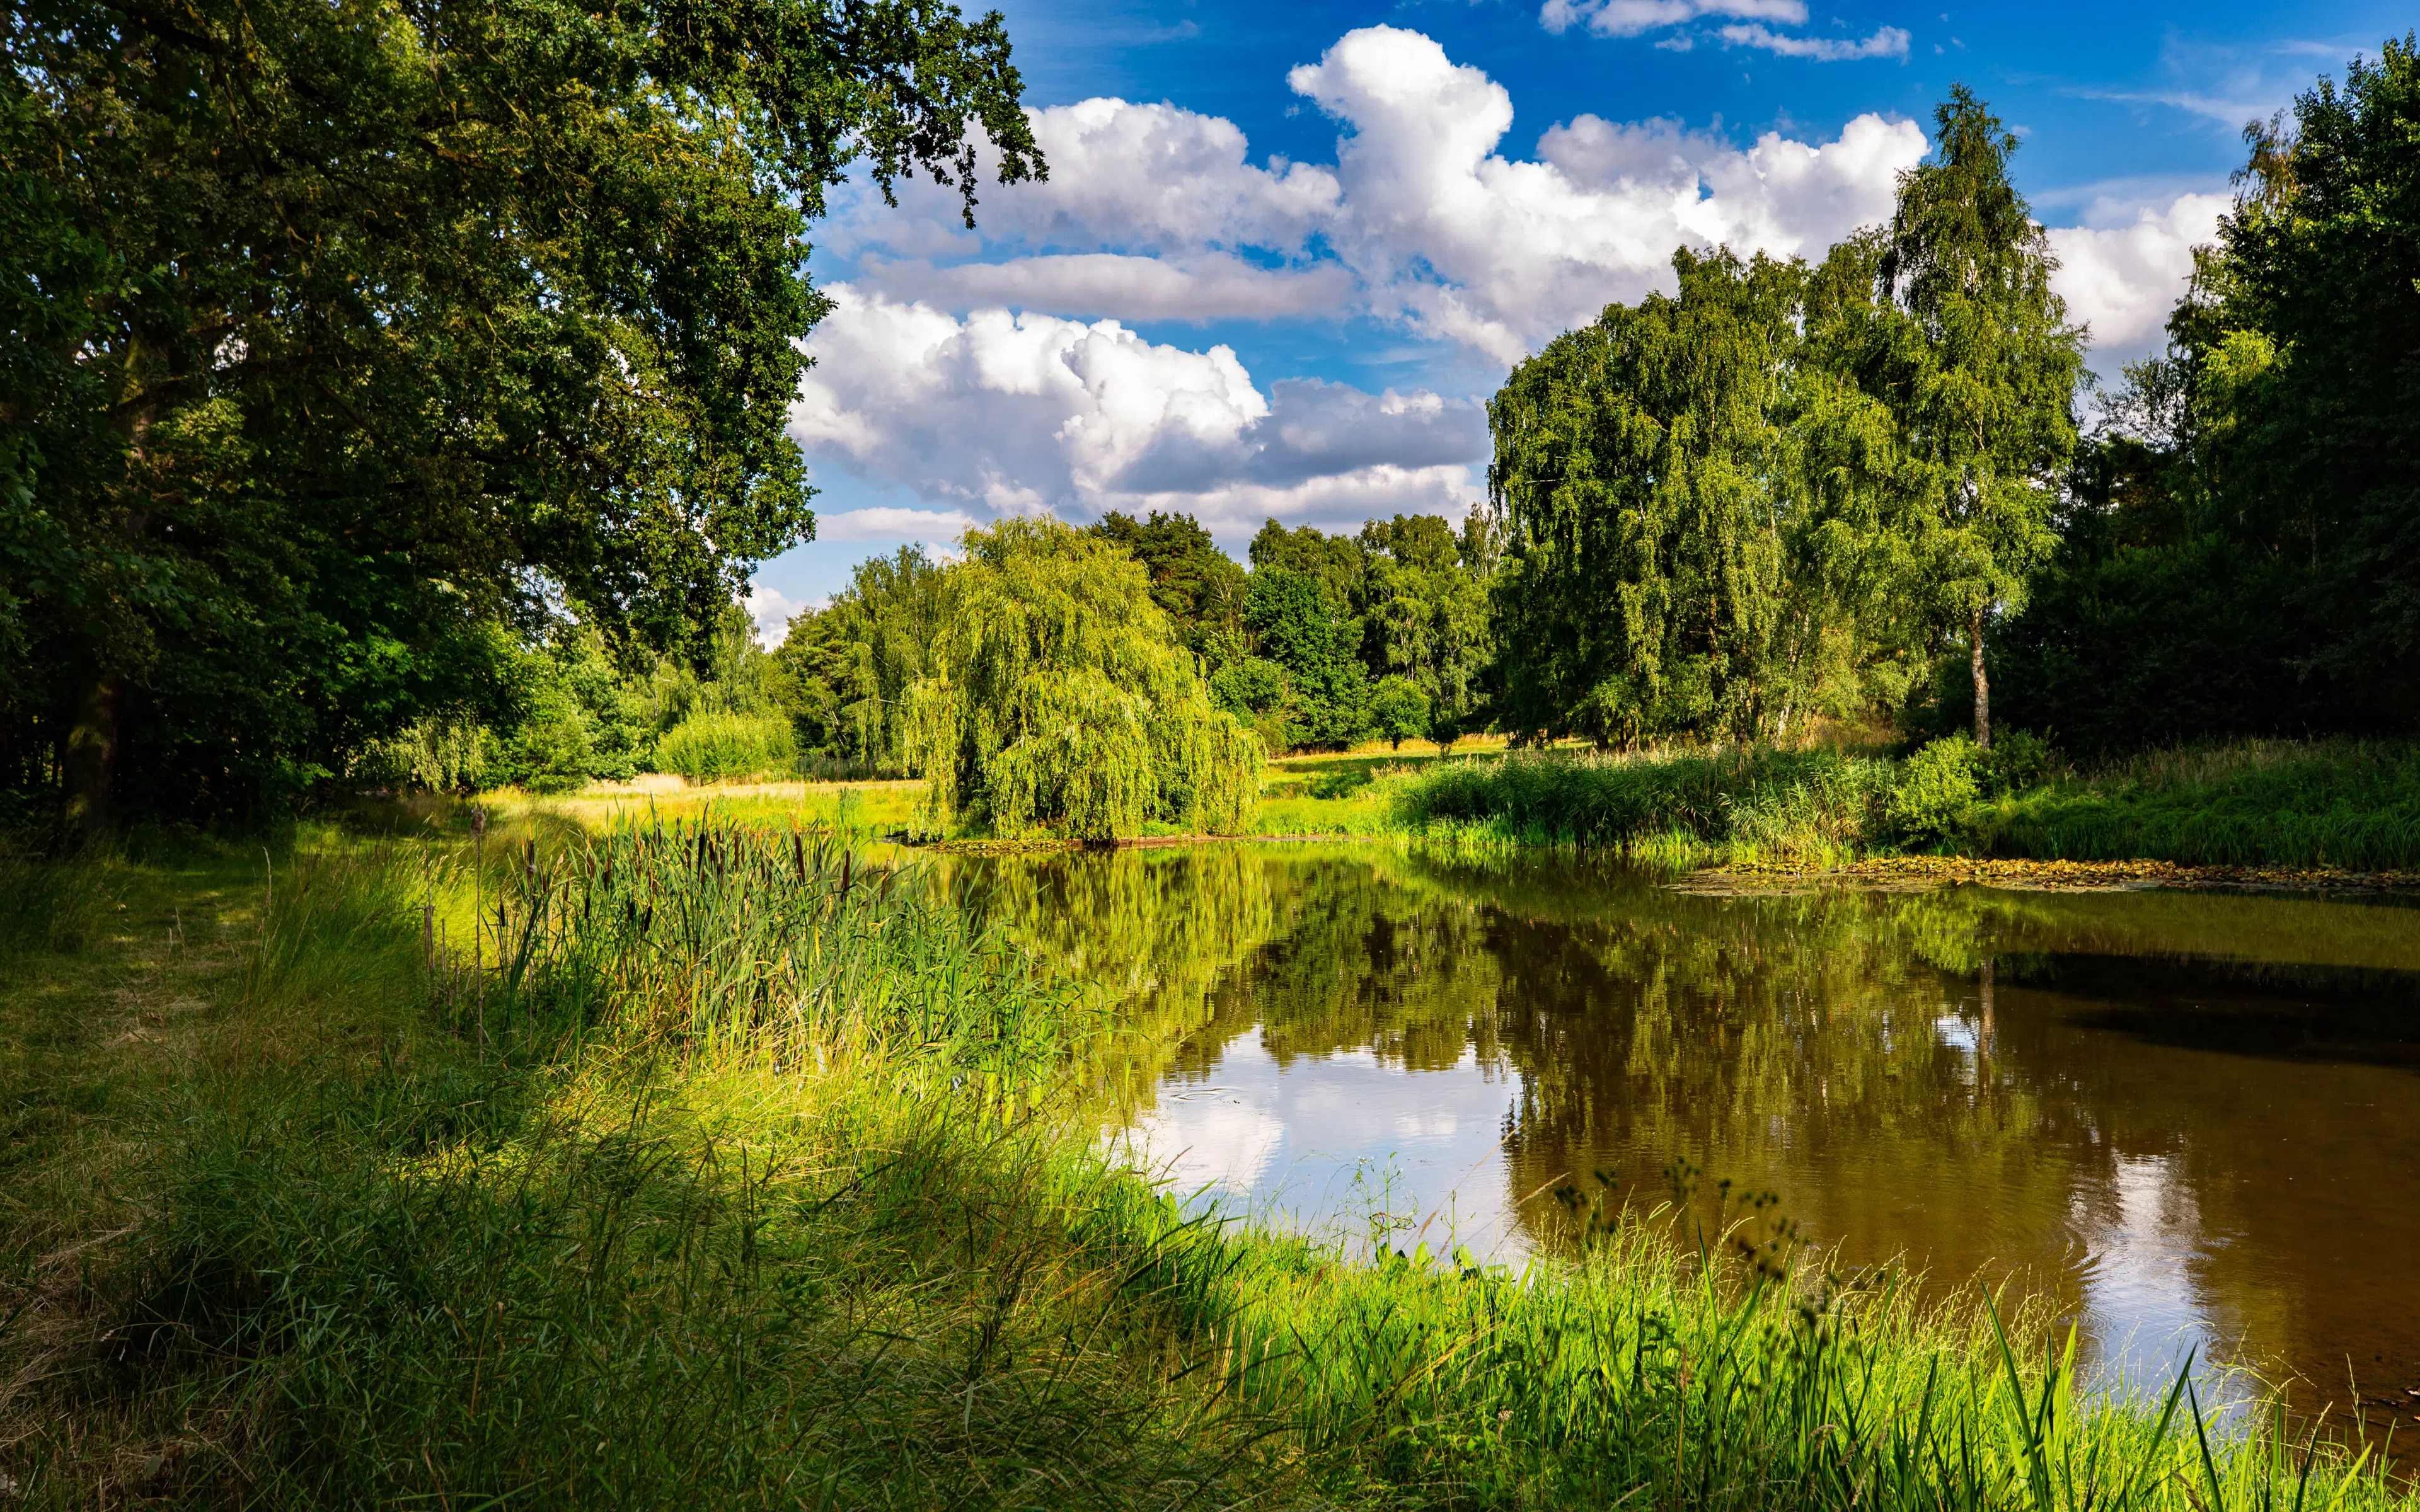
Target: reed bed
{"type": "Point", "coordinates": [717, 941]}
{"type": "Point", "coordinates": [1725, 807]}
{"type": "Point", "coordinates": [2348, 804]}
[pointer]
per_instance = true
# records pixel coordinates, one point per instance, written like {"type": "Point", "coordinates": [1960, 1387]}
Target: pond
{"type": "Point", "coordinates": [2193, 1117]}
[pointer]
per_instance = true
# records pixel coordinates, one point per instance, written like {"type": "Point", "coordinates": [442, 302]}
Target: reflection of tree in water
{"type": "Point", "coordinates": [1967, 1077]}
{"type": "Point", "coordinates": [1152, 930]}
{"type": "Point", "coordinates": [1359, 962]}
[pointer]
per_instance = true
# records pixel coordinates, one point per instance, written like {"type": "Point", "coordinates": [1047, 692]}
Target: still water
{"type": "Point", "coordinates": [2192, 1117]}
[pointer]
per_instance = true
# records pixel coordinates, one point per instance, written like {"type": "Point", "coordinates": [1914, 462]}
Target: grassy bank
{"type": "Point", "coordinates": [2345, 804]}
{"type": "Point", "coordinates": [2348, 804]}
{"type": "Point", "coordinates": [744, 1172]}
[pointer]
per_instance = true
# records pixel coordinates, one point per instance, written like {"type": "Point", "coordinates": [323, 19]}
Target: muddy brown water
{"type": "Point", "coordinates": [2192, 1118]}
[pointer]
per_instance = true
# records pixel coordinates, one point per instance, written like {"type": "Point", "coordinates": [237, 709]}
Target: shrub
{"type": "Point", "coordinates": [1937, 787]}
{"type": "Point", "coordinates": [442, 755]}
{"type": "Point", "coordinates": [2016, 760]}
{"type": "Point", "coordinates": [714, 747]}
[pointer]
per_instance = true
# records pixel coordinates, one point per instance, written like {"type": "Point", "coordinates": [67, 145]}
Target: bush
{"type": "Point", "coordinates": [2016, 760]}
{"type": "Point", "coordinates": [442, 755]}
{"type": "Point", "coordinates": [716, 748]}
{"type": "Point", "coordinates": [1937, 788]}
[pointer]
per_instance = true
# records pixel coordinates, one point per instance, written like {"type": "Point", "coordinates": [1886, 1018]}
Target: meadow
{"type": "Point", "coordinates": [727, 1163]}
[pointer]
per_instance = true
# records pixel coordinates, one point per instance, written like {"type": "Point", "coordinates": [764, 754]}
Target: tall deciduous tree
{"type": "Point", "coordinates": [2311, 384]}
{"type": "Point", "coordinates": [1637, 469]}
{"type": "Point", "coordinates": [1424, 613]}
{"type": "Point", "coordinates": [842, 673]}
{"type": "Point", "coordinates": [338, 327]}
{"type": "Point", "coordinates": [1197, 585]}
{"type": "Point", "coordinates": [1982, 378]}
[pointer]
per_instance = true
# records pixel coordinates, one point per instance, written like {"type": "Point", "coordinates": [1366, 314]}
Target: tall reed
{"type": "Point", "coordinates": [1689, 808]}
{"type": "Point", "coordinates": [713, 939]}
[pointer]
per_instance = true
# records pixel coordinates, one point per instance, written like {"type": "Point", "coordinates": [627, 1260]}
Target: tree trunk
{"type": "Point", "coordinates": [91, 766]}
{"type": "Point", "coordinates": [1982, 684]}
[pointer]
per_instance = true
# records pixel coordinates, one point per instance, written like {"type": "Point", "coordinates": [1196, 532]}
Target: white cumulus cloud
{"type": "Point", "coordinates": [1000, 372]}
{"type": "Point", "coordinates": [1163, 177]}
{"type": "Point", "coordinates": [1205, 285]}
{"type": "Point", "coordinates": [998, 414]}
{"type": "Point", "coordinates": [770, 611]}
{"type": "Point", "coordinates": [1499, 253]}
{"type": "Point", "coordinates": [2124, 275]}
{"type": "Point", "coordinates": [1153, 212]}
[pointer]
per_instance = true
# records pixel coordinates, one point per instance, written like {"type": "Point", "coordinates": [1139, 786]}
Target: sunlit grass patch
{"type": "Point", "coordinates": [2347, 804]}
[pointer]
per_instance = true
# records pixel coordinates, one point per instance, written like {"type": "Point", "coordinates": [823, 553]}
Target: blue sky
{"type": "Point", "coordinates": [1288, 250]}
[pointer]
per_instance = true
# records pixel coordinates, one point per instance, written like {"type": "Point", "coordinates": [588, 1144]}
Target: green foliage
{"type": "Point", "coordinates": [2245, 560]}
{"type": "Point", "coordinates": [1636, 462]}
{"type": "Point", "coordinates": [1198, 587]}
{"type": "Point", "coordinates": [1734, 806]}
{"type": "Point", "coordinates": [1937, 789]}
{"type": "Point", "coordinates": [1338, 563]}
{"type": "Point", "coordinates": [1771, 494]}
{"type": "Point", "coordinates": [842, 672]}
{"type": "Point", "coordinates": [1980, 379]}
{"type": "Point", "coordinates": [2319, 306]}
{"type": "Point", "coordinates": [433, 753]}
{"type": "Point", "coordinates": [1305, 625]}
{"type": "Point", "coordinates": [1424, 611]}
{"type": "Point", "coordinates": [338, 331]}
{"type": "Point", "coordinates": [715, 748]}
{"type": "Point", "coordinates": [2343, 803]}
{"type": "Point", "coordinates": [1057, 698]}
{"type": "Point", "coordinates": [1399, 710]}
{"type": "Point", "coordinates": [1254, 690]}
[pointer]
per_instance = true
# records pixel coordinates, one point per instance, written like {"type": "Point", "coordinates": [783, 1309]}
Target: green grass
{"type": "Point", "coordinates": [2347, 804]}
{"type": "Point", "coordinates": [1691, 810]}
{"type": "Point", "coordinates": [749, 1173]}
{"type": "Point", "coordinates": [2329, 803]}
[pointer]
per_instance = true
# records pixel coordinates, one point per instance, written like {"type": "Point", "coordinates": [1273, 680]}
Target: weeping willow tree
{"type": "Point", "coordinates": [1059, 700]}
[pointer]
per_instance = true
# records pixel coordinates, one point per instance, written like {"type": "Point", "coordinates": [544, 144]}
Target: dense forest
{"type": "Point", "coordinates": [276, 526]}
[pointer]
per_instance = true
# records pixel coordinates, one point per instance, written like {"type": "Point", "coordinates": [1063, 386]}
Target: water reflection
{"type": "Point", "coordinates": [2193, 1117]}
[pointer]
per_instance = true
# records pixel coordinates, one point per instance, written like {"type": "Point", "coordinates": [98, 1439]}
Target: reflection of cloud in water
{"type": "Point", "coordinates": [1325, 1143]}
{"type": "Point", "coordinates": [2144, 1233]}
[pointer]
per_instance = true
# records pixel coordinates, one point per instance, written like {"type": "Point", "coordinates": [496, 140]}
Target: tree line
{"type": "Point", "coordinates": [1326, 640]}
{"type": "Point", "coordinates": [1868, 485]}
{"type": "Point", "coordinates": [343, 449]}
